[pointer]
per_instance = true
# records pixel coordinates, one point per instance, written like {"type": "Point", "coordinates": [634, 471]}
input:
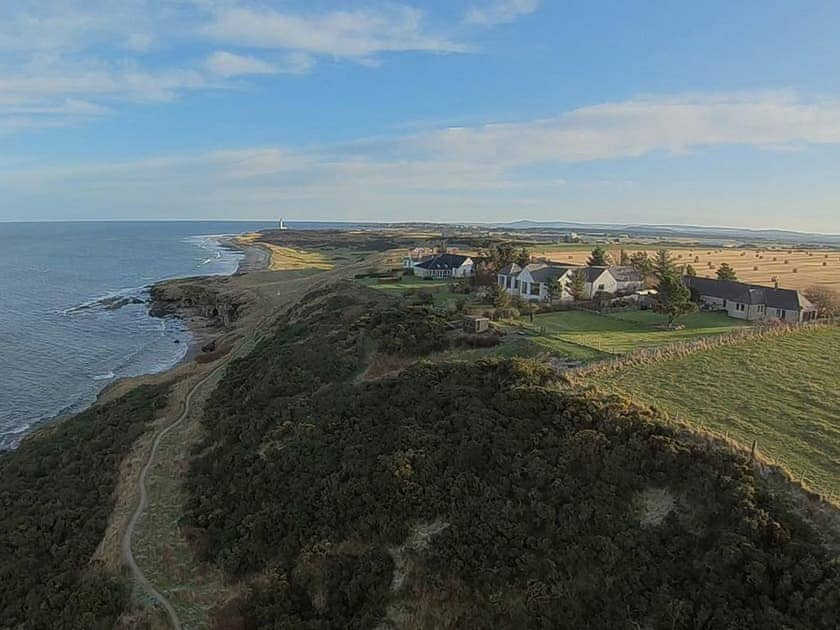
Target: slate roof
{"type": "Point", "coordinates": [444, 261]}
{"type": "Point", "coordinates": [593, 273]}
{"type": "Point", "coordinates": [625, 274]}
{"type": "Point", "coordinates": [788, 299]}
{"type": "Point", "coordinates": [509, 270]}
{"type": "Point", "coordinates": [547, 273]}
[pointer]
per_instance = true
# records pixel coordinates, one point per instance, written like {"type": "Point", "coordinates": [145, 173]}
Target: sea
{"type": "Point", "coordinates": [61, 339]}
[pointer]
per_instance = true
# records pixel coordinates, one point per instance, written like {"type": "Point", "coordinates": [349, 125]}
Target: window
{"type": "Point", "coordinates": [780, 313]}
{"type": "Point", "coordinates": [600, 287]}
{"type": "Point", "coordinates": [535, 288]}
{"type": "Point", "coordinates": [724, 304]}
{"type": "Point", "coordinates": [516, 284]}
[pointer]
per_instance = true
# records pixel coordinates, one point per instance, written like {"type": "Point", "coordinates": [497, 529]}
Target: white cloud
{"type": "Point", "coordinates": [638, 127]}
{"type": "Point", "coordinates": [500, 11]}
{"type": "Point", "coordinates": [355, 34]}
{"type": "Point", "coordinates": [227, 64]}
{"type": "Point", "coordinates": [97, 51]}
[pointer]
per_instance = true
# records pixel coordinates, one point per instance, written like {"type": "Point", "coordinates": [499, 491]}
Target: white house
{"type": "Point", "coordinates": [445, 266]}
{"type": "Point", "coordinates": [627, 280]}
{"type": "Point", "coordinates": [532, 281]}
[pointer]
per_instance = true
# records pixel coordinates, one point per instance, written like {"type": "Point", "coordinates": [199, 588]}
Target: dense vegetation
{"type": "Point", "coordinates": [557, 508]}
{"type": "Point", "coordinates": [781, 391]}
{"type": "Point", "coordinates": [56, 495]}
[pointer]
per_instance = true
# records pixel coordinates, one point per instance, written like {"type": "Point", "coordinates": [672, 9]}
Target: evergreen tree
{"type": "Point", "coordinates": [577, 287]}
{"type": "Point", "coordinates": [674, 298]}
{"type": "Point", "coordinates": [523, 257]}
{"type": "Point", "coordinates": [599, 257]}
{"type": "Point", "coordinates": [555, 289]}
{"type": "Point", "coordinates": [663, 265]}
{"type": "Point", "coordinates": [726, 272]}
{"type": "Point", "coordinates": [642, 263]}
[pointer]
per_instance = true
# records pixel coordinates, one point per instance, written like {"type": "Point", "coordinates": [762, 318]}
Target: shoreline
{"type": "Point", "coordinates": [200, 331]}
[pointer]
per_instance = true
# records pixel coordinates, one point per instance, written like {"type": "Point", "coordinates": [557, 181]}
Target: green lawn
{"type": "Point", "coordinates": [782, 391]}
{"type": "Point", "coordinates": [439, 288]}
{"type": "Point", "coordinates": [589, 336]}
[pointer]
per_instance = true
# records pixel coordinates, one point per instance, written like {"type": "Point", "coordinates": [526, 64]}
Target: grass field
{"type": "Point", "coordinates": [781, 391]}
{"type": "Point", "coordinates": [438, 288]}
{"type": "Point", "coordinates": [795, 269]}
{"type": "Point", "coordinates": [588, 336]}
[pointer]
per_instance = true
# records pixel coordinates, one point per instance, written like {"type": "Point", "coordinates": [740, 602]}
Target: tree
{"type": "Point", "coordinates": [499, 297]}
{"type": "Point", "coordinates": [577, 287]}
{"type": "Point", "coordinates": [690, 271]}
{"type": "Point", "coordinates": [623, 258]}
{"type": "Point", "coordinates": [673, 298]}
{"type": "Point", "coordinates": [825, 299]}
{"type": "Point", "coordinates": [599, 257]}
{"type": "Point", "coordinates": [642, 263]}
{"type": "Point", "coordinates": [726, 272]}
{"type": "Point", "coordinates": [499, 255]}
{"type": "Point", "coordinates": [663, 265]}
{"type": "Point", "coordinates": [555, 289]}
{"type": "Point", "coordinates": [523, 257]}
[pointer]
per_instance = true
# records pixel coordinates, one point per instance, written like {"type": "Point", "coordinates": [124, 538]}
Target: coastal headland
{"type": "Point", "coordinates": [337, 451]}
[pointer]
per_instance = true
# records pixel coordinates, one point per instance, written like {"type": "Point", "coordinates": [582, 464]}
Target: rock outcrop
{"type": "Point", "coordinates": [210, 299]}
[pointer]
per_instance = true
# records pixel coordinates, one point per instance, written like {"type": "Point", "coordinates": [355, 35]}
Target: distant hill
{"type": "Point", "coordinates": [683, 231]}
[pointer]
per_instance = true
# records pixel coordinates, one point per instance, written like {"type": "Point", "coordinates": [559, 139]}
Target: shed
{"type": "Point", "coordinates": [476, 325]}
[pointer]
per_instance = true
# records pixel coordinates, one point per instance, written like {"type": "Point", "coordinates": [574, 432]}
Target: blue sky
{"type": "Point", "coordinates": [718, 113]}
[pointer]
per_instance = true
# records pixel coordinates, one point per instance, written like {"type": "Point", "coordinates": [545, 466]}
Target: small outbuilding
{"type": "Point", "coordinates": [476, 325]}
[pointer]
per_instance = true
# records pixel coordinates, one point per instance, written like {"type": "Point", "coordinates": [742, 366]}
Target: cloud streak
{"type": "Point", "coordinates": [101, 51]}
{"type": "Point", "coordinates": [340, 34]}
{"type": "Point", "coordinates": [475, 168]}
{"type": "Point", "coordinates": [500, 12]}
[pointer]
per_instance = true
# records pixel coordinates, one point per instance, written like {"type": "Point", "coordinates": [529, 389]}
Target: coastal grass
{"type": "Point", "coordinates": [781, 391]}
{"type": "Point", "coordinates": [590, 336]}
{"type": "Point", "coordinates": [161, 547]}
{"type": "Point", "coordinates": [287, 258]}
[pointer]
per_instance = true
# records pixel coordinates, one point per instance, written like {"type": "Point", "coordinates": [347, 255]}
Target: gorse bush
{"type": "Point", "coordinates": [311, 480]}
{"type": "Point", "coordinates": [56, 494]}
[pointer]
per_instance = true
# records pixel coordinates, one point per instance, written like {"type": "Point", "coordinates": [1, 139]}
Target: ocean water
{"type": "Point", "coordinates": [59, 343]}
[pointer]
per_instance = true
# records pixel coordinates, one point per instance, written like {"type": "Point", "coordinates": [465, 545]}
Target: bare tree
{"type": "Point", "coordinates": [826, 300]}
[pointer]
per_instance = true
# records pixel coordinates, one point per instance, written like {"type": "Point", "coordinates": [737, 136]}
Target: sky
{"type": "Point", "coordinates": [652, 111]}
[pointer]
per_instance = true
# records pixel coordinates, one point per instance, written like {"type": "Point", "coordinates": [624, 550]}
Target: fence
{"type": "Point", "coordinates": [644, 356]}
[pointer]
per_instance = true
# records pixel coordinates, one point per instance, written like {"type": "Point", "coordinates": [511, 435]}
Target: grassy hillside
{"type": "Point", "coordinates": [590, 336]}
{"type": "Point", "coordinates": [781, 391]}
{"type": "Point", "coordinates": [56, 493]}
{"type": "Point", "coordinates": [477, 495]}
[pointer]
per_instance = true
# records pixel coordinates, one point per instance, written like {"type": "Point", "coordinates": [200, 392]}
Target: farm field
{"type": "Point", "coordinates": [589, 336]}
{"type": "Point", "coordinates": [795, 269]}
{"type": "Point", "coordinates": [781, 391]}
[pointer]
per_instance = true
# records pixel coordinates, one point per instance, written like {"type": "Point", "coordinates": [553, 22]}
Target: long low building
{"type": "Point", "coordinates": [750, 301]}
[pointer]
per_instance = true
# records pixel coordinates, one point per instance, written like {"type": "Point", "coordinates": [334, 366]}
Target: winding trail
{"type": "Point", "coordinates": [127, 555]}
